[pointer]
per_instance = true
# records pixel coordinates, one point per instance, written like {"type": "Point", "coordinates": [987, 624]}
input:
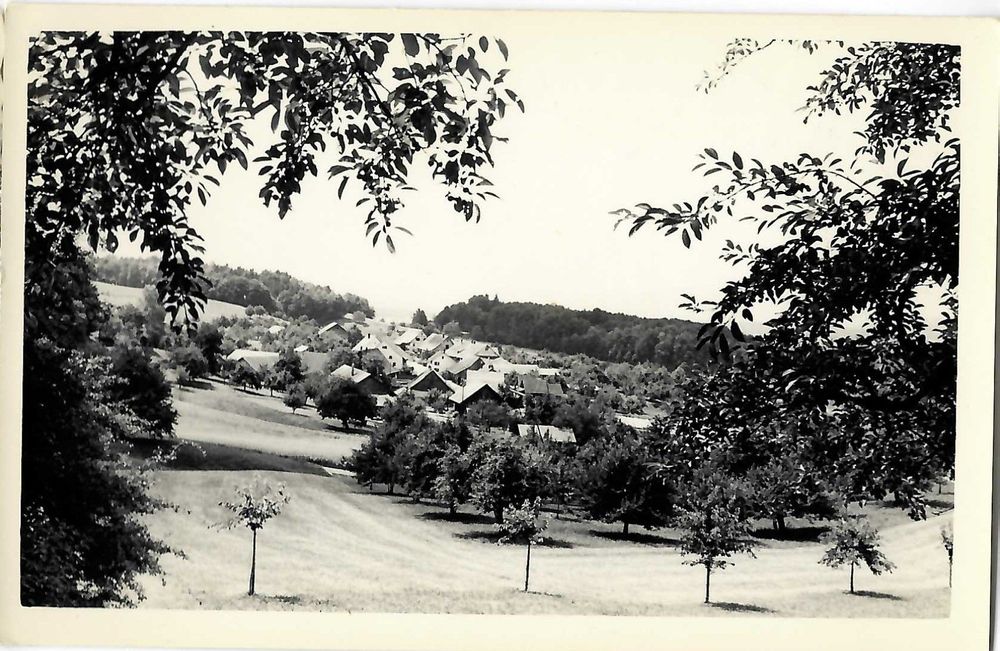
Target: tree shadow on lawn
{"type": "Point", "coordinates": [203, 385]}
{"type": "Point", "coordinates": [874, 595]}
{"type": "Point", "coordinates": [460, 518]}
{"type": "Point", "coordinates": [793, 534]}
{"type": "Point", "coordinates": [491, 536]}
{"type": "Point", "coordinates": [637, 538]}
{"type": "Point", "coordinates": [734, 607]}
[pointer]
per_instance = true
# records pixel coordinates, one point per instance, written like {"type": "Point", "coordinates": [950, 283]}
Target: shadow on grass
{"type": "Point", "coordinates": [460, 518]}
{"type": "Point", "coordinates": [940, 504]}
{"type": "Point", "coordinates": [491, 536]}
{"type": "Point", "coordinates": [876, 595]}
{"type": "Point", "coordinates": [796, 534]}
{"type": "Point", "coordinates": [733, 607]}
{"type": "Point", "coordinates": [637, 538]}
{"type": "Point", "coordinates": [204, 385]}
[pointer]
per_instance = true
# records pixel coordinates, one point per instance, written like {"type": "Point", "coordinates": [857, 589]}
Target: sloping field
{"type": "Point", "coordinates": [226, 416]}
{"type": "Point", "coordinates": [339, 548]}
{"type": "Point", "coordinates": [118, 295]}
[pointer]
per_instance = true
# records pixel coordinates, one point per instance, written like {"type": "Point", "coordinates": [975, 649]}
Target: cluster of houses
{"type": "Point", "coordinates": [464, 370]}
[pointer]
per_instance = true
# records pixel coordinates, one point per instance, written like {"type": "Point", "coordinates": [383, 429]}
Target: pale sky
{"type": "Point", "coordinates": [609, 123]}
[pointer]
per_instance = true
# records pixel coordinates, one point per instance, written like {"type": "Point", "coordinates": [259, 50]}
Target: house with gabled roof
{"type": "Point", "coordinates": [257, 360]}
{"type": "Point", "coordinates": [536, 386]}
{"type": "Point", "coordinates": [408, 337]}
{"type": "Point", "coordinates": [429, 381]}
{"type": "Point", "coordinates": [458, 369]}
{"type": "Point", "coordinates": [472, 393]}
{"type": "Point", "coordinates": [392, 358]}
{"type": "Point", "coordinates": [363, 379]}
{"type": "Point", "coordinates": [433, 343]}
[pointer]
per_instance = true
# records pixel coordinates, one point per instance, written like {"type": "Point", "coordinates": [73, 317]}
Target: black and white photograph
{"type": "Point", "coordinates": [471, 321]}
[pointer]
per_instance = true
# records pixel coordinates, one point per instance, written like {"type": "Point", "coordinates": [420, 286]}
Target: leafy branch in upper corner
{"type": "Point", "coordinates": [126, 130]}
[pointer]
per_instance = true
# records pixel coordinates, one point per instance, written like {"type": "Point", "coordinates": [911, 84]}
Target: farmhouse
{"type": "Point", "coordinates": [363, 379]}
{"type": "Point", "coordinates": [432, 344]}
{"type": "Point", "coordinates": [473, 393]}
{"type": "Point", "coordinates": [458, 369]}
{"type": "Point", "coordinates": [547, 432]}
{"type": "Point", "coordinates": [536, 386]}
{"type": "Point", "coordinates": [391, 356]}
{"type": "Point", "coordinates": [431, 380]}
{"type": "Point", "coordinates": [408, 337]}
{"type": "Point", "coordinates": [257, 360]}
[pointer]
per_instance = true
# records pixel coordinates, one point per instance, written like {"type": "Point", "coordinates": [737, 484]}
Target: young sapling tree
{"type": "Point", "coordinates": [948, 540]}
{"type": "Point", "coordinates": [522, 525]}
{"type": "Point", "coordinates": [252, 506]}
{"type": "Point", "coordinates": [854, 541]}
{"type": "Point", "coordinates": [715, 521]}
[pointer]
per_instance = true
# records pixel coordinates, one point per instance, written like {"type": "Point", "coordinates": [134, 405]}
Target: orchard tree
{"type": "Point", "coordinates": [853, 541]}
{"type": "Point", "coordinates": [714, 518]}
{"type": "Point", "coordinates": [618, 483]}
{"type": "Point", "coordinates": [295, 397]}
{"type": "Point", "coordinates": [209, 341]}
{"type": "Point", "coordinates": [870, 231]}
{"type": "Point", "coordinates": [346, 401]}
{"type": "Point", "coordinates": [505, 472]}
{"type": "Point", "coordinates": [244, 375]}
{"type": "Point", "coordinates": [453, 483]}
{"type": "Point", "coordinates": [252, 506]}
{"type": "Point", "coordinates": [189, 358]}
{"type": "Point", "coordinates": [288, 369]}
{"type": "Point", "coordinates": [126, 130]}
{"type": "Point", "coordinates": [522, 525]}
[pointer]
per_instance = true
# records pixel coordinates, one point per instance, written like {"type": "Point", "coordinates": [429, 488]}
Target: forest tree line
{"type": "Point", "coordinates": [604, 335]}
{"type": "Point", "coordinates": [276, 291]}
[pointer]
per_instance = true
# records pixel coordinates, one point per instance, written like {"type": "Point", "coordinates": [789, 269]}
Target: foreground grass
{"type": "Point", "coordinates": [337, 547]}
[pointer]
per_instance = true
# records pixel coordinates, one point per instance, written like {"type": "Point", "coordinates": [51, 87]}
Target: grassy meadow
{"type": "Point", "coordinates": [339, 547]}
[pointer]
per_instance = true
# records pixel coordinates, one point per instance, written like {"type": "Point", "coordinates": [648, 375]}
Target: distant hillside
{"type": "Point", "coordinates": [604, 335]}
{"type": "Point", "coordinates": [119, 295]}
{"type": "Point", "coordinates": [275, 291]}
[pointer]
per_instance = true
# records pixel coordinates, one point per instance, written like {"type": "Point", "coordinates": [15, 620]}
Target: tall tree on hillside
{"type": "Point", "coordinates": [121, 138]}
{"type": "Point", "coordinates": [419, 318]}
{"type": "Point", "coordinates": [870, 232]}
{"type": "Point", "coordinates": [209, 340]}
{"type": "Point", "coordinates": [345, 400]}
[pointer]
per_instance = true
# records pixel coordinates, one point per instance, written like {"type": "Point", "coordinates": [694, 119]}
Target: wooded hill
{"type": "Point", "coordinates": [275, 291]}
{"type": "Point", "coordinates": [604, 335]}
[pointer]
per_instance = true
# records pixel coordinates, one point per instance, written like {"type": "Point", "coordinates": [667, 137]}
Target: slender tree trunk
{"type": "Point", "coordinates": [949, 571]}
{"type": "Point", "coordinates": [781, 524]}
{"type": "Point", "coordinates": [527, 566]}
{"type": "Point", "coordinates": [253, 563]}
{"type": "Point", "coordinates": [708, 580]}
{"type": "Point", "coordinates": [452, 508]}
{"type": "Point", "coordinates": [392, 487]}
{"type": "Point", "coordinates": [498, 514]}
{"type": "Point", "coordinates": [624, 527]}
{"type": "Point", "coordinates": [852, 578]}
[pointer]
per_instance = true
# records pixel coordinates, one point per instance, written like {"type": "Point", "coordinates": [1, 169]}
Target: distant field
{"type": "Point", "coordinates": [228, 416]}
{"type": "Point", "coordinates": [338, 547]}
{"type": "Point", "coordinates": [119, 295]}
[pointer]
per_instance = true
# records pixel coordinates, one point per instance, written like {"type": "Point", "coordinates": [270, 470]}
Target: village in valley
{"type": "Point", "coordinates": [682, 354]}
